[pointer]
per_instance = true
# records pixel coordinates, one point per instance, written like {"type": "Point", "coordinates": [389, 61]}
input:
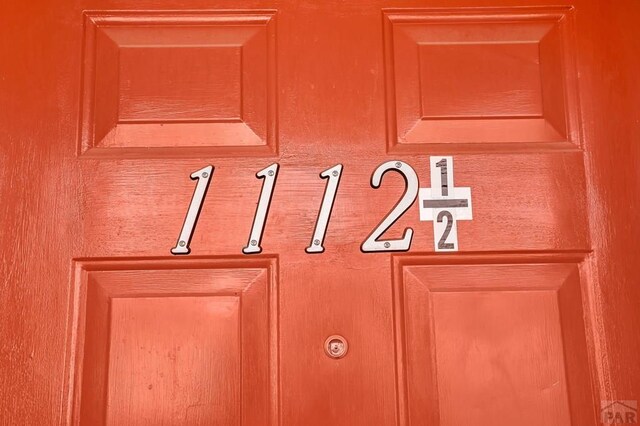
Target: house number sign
{"type": "Point", "coordinates": [443, 204]}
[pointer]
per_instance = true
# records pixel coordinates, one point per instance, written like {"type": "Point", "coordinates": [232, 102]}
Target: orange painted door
{"type": "Point", "coordinates": [507, 310]}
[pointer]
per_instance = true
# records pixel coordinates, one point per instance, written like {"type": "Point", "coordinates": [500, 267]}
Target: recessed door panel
{"type": "Point", "coordinates": [176, 342]}
{"type": "Point", "coordinates": [492, 343]}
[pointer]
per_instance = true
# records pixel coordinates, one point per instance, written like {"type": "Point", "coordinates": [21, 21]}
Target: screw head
{"type": "Point", "coordinates": [387, 244]}
{"type": "Point", "coordinates": [398, 164]}
{"type": "Point", "coordinates": [270, 173]}
{"type": "Point", "coordinates": [335, 173]}
{"type": "Point", "coordinates": [205, 175]}
{"type": "Point", "coordinates": [182, 243]}
{"type": "Point", "coordinates": [316, 242]}
{"type": "Point", "coordinates": [254, 243]}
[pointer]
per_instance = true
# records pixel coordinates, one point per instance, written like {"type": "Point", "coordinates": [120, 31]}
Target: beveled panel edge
{"type": "Point", "coordinates": [490, 14]}
{"type": "Point", "coordinates": [490, 258]}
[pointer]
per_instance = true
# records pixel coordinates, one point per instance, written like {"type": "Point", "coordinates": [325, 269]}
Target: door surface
{"type": "Point", "coordinates": [109, 107]}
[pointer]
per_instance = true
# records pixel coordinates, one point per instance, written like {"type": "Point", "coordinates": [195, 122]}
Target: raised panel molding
{"type": "Point", "coordinates": [198, 335]}
{"type": "Point", "coordinates": [468, 80]}
{"type": "Point", "coordinates": [492, 339]}
{"type": "Point", "coordinates": [176, 84]}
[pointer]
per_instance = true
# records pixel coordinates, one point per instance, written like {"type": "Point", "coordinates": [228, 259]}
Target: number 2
{"type": "Point", "coordinates": [372, 244]}
{"type": "Point", "coordinates": [442, 242]}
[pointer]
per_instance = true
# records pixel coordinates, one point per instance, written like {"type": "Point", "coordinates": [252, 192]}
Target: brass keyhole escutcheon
{"type": "Point", "coordinates": [336, 346]}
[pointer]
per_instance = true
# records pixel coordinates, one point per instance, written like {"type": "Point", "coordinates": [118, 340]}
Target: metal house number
{"type": "Point", "coordinates": [443, 203]}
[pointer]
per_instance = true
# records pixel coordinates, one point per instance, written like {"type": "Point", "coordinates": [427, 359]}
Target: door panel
{"type": "Point", "coordinates": [157, 83]}
{"type": "Point", "coordinates": [492, 343]}
{"type": "Point", "coordinates": [167, 342]}
{"type": "Point", "coordinates": [164, 354]}
{"type": "Point", "coordinates": [471, 78]}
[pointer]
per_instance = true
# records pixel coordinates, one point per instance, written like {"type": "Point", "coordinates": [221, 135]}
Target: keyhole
{"type": "Point", "coordinates": [336, 346]}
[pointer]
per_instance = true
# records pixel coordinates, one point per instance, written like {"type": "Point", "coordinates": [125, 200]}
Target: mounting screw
{"type": "Point", "coordinates": [335, 173]}
{"type": "Point", "coordinates": [387, 244]}
{"type": "Point", "coordinates": [270, 172]}
{"type": "Point", "coordinates": [182, 244]}
{"type": "Point", "coordinates": [398, 164]}
{"type": "Point", "coordinates": [316, 242]}
{"type": "Point", "coordinates": [254, 243]}
{"type": "Point", "coordinates": [205, 175]}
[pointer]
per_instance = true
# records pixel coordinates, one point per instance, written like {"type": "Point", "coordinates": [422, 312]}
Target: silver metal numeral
{"type": "Point", "coordinates": [204, 177]}
{"type": "Point", "coordinates": [333, 174]}
{"type": "Point", "coordinates": [269, 174]}
{"type": "Point", "coordinates": [372, 244]}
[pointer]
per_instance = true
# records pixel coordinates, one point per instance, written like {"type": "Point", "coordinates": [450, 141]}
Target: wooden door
{"type": "Point", "coordinates": [111, 111]}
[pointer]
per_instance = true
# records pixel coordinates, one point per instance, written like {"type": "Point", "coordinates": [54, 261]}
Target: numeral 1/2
{"type": "Point", "coordinates": [317, 241]}
{"type": "Point", "coordinates": [269, 175]}
{"type": "Point", "coordinates": [204, 177]}
{"type": "Point", "coordinates": [443, 245]}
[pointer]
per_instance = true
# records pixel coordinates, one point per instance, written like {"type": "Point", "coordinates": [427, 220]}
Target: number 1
{"type": "Point", "coordinates": [333, 174]}
{"type": "Point", "coordinates": [444, 179]}
{"type": "Point", "coordinates": [204, 177]}
{"type": "Point", "coordinates": [269, 175]}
